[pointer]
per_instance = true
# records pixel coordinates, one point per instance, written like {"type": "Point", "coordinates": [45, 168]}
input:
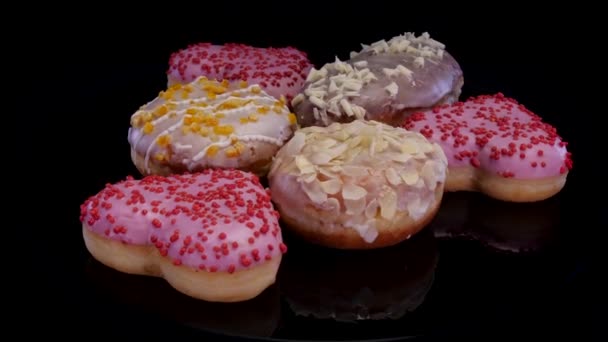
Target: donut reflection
{"type": "Point", "coordinates": [256, 317]}
{"type": "Point", "coordinates": [350, 286]}
{"type": "Point", "coordinates": [503, 226]}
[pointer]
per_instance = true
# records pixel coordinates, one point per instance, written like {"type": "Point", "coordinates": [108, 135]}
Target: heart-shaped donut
{"type": "Point", "coordinates": [279, 71]}
{"type": "Point", "coordinates": [497, 146]}
{"type": "Point", "coordinates": [212, 235]}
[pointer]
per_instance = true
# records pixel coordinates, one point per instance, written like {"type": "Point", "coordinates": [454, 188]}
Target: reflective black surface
{"type": "Point", "coordinates": [480, 265]}
{"type": "Point", "coordinates": [482, 268]}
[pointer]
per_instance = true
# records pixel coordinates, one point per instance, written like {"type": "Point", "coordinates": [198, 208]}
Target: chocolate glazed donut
{"type": "Point", "coordinates": [385, 81]}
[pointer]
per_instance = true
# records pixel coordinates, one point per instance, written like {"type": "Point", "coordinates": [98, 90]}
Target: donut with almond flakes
{"type": "Point", "coordinates": [358, 185]}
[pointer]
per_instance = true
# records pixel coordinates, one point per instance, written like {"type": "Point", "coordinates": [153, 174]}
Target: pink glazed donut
{"type": "Point", "coordinates": [213, 235]}
{"type": "Point", "coordinates": [279, 71]}
{"type": "Point", "coordinates": [497, 146]}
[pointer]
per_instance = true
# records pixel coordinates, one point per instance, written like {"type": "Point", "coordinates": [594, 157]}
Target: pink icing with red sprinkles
{"type": "Point", "coordinates": [279, 71]}
{"type": "Point", "coordinates": [497, 134]}
{"type": "Point", "coordinates": [216, 220]}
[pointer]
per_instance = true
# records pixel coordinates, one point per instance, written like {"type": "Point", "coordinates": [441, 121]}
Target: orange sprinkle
{"type": "Point", "coordinates": [136, 121]}
{"type": "Point", "coordinates": [176, 86]}
{"type": "Point", "coordinates": [163, 140]}
{"type": "Point", "coordinates": [225, 83]}
{"type": "Point", "coordinates": [211, 96]}
{"type": "Point", "coordinates": [256, 89]}
{"type": "Point", "coordinates": [191, 111]}
{"type": "Point", "coordinates": [160, 157]}
{"type": "Point", "coordinates": [203, 131]}
{"type": "Point", "coordinates": [188, 120]}
{"type": "Point", "coordinates": [195, 127]}
{"type": "Point", "coordinates": [292, 118]}
{"type": "Point", "coordinates": [214, 88]}
{"type": "Point", "coordinates": [243, 84]}
{"type": "Point", "coordinates": [253, 118]}
{"type": "Point", "coordinates": [232, 103]}
{"type": "Point", "coordinates": [223, 130]}
{"type": "Point", "coordinates": [212, 150]}
{"type": "Point", "coordinates": [210, 121]}
{"type": "Point", "coordinates": [235, 150]}
{"type": "Point", "coordinates": [220, 115]}
{"type": "Point", "coordinates": [263, 110]}
{"type": "Point", "coordinates": [232, 152]}
{"type": "Point", "coordinates": [244, 120]}
{"type": "Point", "coordinates": [148, 128]}
{"type": "Point", "coordinates": [160, 111]}
{"type": "Point", "coordinates": [168, 95]}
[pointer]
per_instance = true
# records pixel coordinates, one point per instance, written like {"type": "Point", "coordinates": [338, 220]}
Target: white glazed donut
{"type": "Point", "coordinates": [209, 124]}
{"type": "Point", "coordinates": [358, 185]}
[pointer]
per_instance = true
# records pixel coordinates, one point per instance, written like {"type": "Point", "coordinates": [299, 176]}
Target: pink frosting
{"type": "Point", "coordinates": [217, 220]}
{"type": "Point", "coordinates": [497, 134]}
{"type": "Point", "coordinates": [279, 71]}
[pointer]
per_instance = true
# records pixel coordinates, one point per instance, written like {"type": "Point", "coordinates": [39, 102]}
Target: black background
{"type": "Point", "coordinates": [92, 74]}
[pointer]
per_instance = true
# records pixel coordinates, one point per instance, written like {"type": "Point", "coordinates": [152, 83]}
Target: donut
{"type": "Point", "coordinates": [209, 124]}
{"type": "Point", "coordinates": [279, 71]}
{"type": "Point", "coordinates": [502, 227]}
{"type": "Point", "coordinates": [350, 286]}
{"type": "Point", "coordinates": [497, 146]}
{"type": "Point", "coordinates": [357, 185]}
{"type": "Point", "coordinates": [212, 235]}
{"type": "Point", "coordinates": [257, 317]}
{"type": "Point", "coordinates": [385, 82]}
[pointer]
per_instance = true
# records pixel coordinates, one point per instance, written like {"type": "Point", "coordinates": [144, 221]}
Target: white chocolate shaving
{"type": "Point", "coordinates": [392, 89]}
{"type": "Point", "coordinates": [419, 62]}
{"type": "Point", "coordinates": [423, 46]}
{"type": "Point", "coordinates": [328, 87]}
{"type": "Point", "coordinates": [297, 99]}
{"type": "Point", "coordinates": [360, 64]}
